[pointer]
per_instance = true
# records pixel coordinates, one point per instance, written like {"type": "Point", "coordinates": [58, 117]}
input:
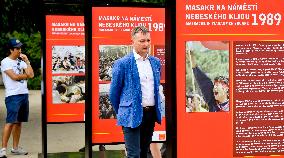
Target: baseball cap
{"type": "Point", "coordinates": [15, 43]}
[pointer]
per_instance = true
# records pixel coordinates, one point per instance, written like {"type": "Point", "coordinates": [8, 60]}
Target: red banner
{"type": "Point", "coordinates": [65, 68]}
{"type": "Point", "coordinates": [258, 110]}
{"type": "Point", "coordinates": [251, 123]}
{"type": "Point", "coordinates": [111, 41]}
{"type": "Point", "coordinates": [254, 19]}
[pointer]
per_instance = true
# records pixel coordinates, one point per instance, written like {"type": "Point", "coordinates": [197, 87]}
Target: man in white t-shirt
{"type": "Point", "coordinates": [16, 69]}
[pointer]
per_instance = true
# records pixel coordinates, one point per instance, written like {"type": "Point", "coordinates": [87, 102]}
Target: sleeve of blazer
{"type": "Point", "coordinates": [116, 84]}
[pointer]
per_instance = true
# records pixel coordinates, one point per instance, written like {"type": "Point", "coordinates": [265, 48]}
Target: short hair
{"type": "Point", "coordinates": [79, 78]}
{"type": "Point", "coordinates": [61, 89]}
{"type": "Point", "coordinates": [222, 79]}
{"type": "Point", "coordinates": [137, 29]}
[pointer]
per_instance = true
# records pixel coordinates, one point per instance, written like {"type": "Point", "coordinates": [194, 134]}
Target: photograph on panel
{"type": "Point", "coordinates": [68, 59]}
{"type": "Point", "coordinates": [108, 54]}
{"type": "Point", "coordinates": [160, 52]}
{"type": "Point", "coordinates": [207, 76]}
{"type": "Point", "coordinates": [106, 110]}
{"type": "Point", "coordinates": [68, 89]}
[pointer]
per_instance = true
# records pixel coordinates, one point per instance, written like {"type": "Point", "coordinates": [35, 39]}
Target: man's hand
{"type": "Point", "coordinates": [29, 70]}
{"type": "Point", "coordinates": [16, 77]}
{"type": "Point", "coordinates": [25, 58]}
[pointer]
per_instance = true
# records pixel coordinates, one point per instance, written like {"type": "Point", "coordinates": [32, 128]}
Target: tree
{"type": "Point", "coordinates": [20, 19]}
{"type": "Point", "coordinates": [20, 16]}
{"type": "Point", "coordinates": [141, 1]}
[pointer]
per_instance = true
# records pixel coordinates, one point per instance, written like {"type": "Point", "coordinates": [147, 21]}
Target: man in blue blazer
{"type": "Point", "coordinates": [134, 93]}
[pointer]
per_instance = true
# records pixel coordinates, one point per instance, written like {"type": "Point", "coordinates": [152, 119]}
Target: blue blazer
{"type": "Point", "coordinates": [126, 94]}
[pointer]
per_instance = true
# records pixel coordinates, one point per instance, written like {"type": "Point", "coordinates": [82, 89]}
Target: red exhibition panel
{"type": "Point", "coordinates": [254, 32]}
{"type": "Point", "coordinates": [112, 40]}
{"type": "Point", "coordinates": [65, 70]}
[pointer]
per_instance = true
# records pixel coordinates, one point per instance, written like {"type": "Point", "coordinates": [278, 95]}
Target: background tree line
{"type": "Point", "coordinates": [21, 19]}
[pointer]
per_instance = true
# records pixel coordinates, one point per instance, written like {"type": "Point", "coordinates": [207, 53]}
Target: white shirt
{"type": "Point", "coordinates": [146, 79]}
{"type": "Point", "coordinates": [13, 87]}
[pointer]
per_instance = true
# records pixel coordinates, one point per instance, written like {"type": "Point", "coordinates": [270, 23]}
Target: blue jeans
{"type": "Point", "coordinates": [137, 140]}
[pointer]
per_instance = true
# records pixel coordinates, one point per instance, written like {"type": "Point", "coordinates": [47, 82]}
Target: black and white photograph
{"type": "Point", "coordinates": [108, 54]}
{"type": "Point", "coordinates": [105, 108]}
{"type": "Point", "coordinates": [68, 59]}
{"type": "Point", "coordinates": [68, 89]}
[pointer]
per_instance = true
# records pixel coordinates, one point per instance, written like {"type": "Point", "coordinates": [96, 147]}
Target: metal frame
{"type": "Point", "coordinates": [88, 103]}
{"type": "Point", "coordinates": [170, 93]}
{"type": "Point", "coordinates": [45, 9]}
{"type": "Point", "coordinates": [43, 84]}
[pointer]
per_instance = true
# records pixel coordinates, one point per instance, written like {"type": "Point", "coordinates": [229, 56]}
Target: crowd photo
{"type": "Point", "coordinates": [68, 59]}
{"type": "Point", "coordinates": [106, 111]}
{"type": "Point", "coordinates": [108, 54]}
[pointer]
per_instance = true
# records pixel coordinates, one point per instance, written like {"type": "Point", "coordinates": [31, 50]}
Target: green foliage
{"type": "Point", "coordinates": [35, 83]}
{"type": "Point", "coordinates": [213, 62]}
{"type": "Point", "coordinates": [19, 15]}
{"type": "Point", "coordinates": [142, 1]}
{"type": "Point", "coordinates": [32, 48]}
{"type": "Point", "coordinates": [21, 19]}
{"type": "Point", "coordinates": [146, 1]}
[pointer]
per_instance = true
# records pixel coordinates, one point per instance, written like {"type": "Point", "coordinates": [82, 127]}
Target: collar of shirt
{"type": "Point", "coordinates": [137, 56]}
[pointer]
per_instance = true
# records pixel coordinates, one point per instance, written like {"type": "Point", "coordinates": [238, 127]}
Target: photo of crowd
{"type": "Point", "coordinates": [68, 59]}
{"type": "Point", "coordinates": [196, 103]}
{"type": "Point", "coordinates": [105, 108]}
{"type": "Point", "coordinates": [207, 76]}
{"type": "Point", "coordinates": [108, 54]}
{"type": "Point", "coordinates": [68, 89]}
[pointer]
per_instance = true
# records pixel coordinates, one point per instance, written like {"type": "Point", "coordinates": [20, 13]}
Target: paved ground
{"type": "Point", "coordinates": [61, 137]}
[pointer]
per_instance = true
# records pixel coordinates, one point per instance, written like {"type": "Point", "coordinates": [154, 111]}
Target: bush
{"type": "Point", "coordinates": [31, 47]}
{"type": "Point", "coordinates": [35, 83]}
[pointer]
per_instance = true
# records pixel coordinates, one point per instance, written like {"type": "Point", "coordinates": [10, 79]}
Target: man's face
{"type": "Point", "coordinates": [141, 43]}
{"type": "Point", "coordinates": [220, 90]}
{"type": "Point", "coordinates": [16, 51]}
{"type": "Point", "coordinates": [195, 101]}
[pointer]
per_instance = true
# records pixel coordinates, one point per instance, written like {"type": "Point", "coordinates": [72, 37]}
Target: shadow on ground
{"type": "Point", "coordinates": [96, 154]}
